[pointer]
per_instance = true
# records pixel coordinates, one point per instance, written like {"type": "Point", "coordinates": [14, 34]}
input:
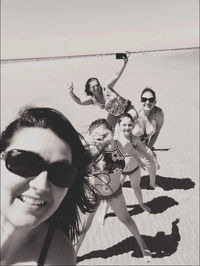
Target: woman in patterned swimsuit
{"type": "Point", "coordinates": [105, 178]}
{"type": "Point", "coordinates": [105, 97]}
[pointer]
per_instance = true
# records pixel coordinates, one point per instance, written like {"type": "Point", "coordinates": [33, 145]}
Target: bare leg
{"type": "Point", "coordinates": [152, 174]}
{"type": "Point", "coordinates": [119, 207]}
{"type": "Point", "coordinates": [106, 204]}
{"type": "Point", "coordinates": [86, 227]}
{"type": "Point", "coordinates": [135, 183]}
{"type": "Point", "coordinates": [105, 207]}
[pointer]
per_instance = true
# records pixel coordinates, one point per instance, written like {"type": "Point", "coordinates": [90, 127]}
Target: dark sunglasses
{"type": "Point", "coordinates": [30, 164]}
{"type": "Point", "coordinates": [151, 100]}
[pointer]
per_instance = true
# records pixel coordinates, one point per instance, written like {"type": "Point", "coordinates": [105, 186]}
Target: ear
{"type": "Point", "coordinates": [155, 102]}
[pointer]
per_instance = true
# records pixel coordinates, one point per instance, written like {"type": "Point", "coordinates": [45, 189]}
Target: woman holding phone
{"type": "Point", "coordinates": [105, 96]}
{"type": "Point", "coordinates": [43, 186]}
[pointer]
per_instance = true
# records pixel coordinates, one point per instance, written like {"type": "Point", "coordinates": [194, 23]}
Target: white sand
{"type": "Point", "coordinates": [175, 78]}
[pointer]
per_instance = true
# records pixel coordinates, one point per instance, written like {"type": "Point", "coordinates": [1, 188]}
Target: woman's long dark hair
{"type": "Point", "coordinates": [67, 215]}
{"type": "Point", "coordinates": [87, 86]}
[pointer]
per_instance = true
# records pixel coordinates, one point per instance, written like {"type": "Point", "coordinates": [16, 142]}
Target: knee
{"type": "Point", "coordinates": [126, 220]}
{"type": "Point", "coordinates": [135, 186]}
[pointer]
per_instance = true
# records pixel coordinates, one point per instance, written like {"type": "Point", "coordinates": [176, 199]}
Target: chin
{"type": "Point", "coordinates": [24, 221]}
{"type": "Point", "coordinates": [147, 108]}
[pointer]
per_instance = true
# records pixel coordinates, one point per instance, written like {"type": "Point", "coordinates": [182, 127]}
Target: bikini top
{"type": "Point", "coordinates": [114, 159]}
{"type": "Point", "coordinates": [144, 132]}
{"type": "Point", "coordinates": [114, 103]}
{"type": "Point", "coordinates": [145, 129]}
{"type": "Point", "coordinates": [45, 247]}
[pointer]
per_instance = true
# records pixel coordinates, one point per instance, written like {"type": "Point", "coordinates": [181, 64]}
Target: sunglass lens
{"type": "Point", "coordinates": [61, 174]}
{"type": "Point", "coordinates": [23, 163]}
{"type": "Point", "coordinates": [151, 100]}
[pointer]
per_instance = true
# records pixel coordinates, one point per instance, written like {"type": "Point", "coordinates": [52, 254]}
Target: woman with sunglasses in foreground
{"type": "Point", "coordinates": [43, 169]}
{"type": "Point", "coordinates": [105, 178]}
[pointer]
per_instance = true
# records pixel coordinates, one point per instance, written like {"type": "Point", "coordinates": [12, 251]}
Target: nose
{"type": "Point", "coordinates": [40, 182]}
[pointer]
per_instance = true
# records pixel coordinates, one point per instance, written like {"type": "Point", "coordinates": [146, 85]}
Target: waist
{"type": "Point", "coordinates": [113, 195]}
{"type": "Point", "coordinates": [131, 171]}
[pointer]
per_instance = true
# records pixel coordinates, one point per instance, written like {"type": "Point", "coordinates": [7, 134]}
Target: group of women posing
{"type": "Point", "coordinates": [49, 173]}
{"type": "Point", "coordinates": [122, 144]}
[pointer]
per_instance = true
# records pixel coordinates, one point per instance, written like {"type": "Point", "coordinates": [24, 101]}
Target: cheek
{"type": "Point", "coordinates": [11, 183]}
{"type": "Point", "coordinates": [58, 195]}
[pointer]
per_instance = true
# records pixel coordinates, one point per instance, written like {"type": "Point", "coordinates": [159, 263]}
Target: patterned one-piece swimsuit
{"type": "Point", "coordinates": [114, 163]}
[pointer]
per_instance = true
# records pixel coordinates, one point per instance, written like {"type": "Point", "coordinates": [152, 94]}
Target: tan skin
{"type": "Point", "coordinates": [147, 114]}
{"type": "Point", "coordinates": [103, 136]}
{"type": "Point", "coordinates": [24, 222]}
{"type": "Point", "coordinates": [126, 139]}
{"type": "Point", "coordinates": [97, 90]}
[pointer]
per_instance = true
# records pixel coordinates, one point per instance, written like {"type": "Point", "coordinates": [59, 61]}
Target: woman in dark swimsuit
{"type": "Point", "coordinates": [105, 178]}
{"type": "Point", "coordinates": [43, 164]}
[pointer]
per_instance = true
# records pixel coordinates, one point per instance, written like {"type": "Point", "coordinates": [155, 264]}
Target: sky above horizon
{"type": "Point", "coordinates": [38, 28]}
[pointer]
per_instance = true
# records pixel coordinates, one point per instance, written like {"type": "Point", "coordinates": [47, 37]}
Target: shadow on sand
{"type": "Point", "coordinates": [160, 245]}
{"type": "Point", "coordinates": [157, 205]}
{"type": "Point", "coordinates": [167, 183]}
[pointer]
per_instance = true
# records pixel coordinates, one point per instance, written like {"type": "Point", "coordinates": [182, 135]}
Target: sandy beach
{"type": "Point", "coordinates": [171, 231]}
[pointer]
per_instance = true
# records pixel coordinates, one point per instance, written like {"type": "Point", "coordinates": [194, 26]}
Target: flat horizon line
{"type": "Point", "coordinates": [61, 57]}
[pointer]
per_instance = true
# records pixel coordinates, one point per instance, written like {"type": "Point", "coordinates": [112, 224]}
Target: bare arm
{"type": "Point", "coordinates": [117, 75]}
{"type": "Point", "coordinates": [146, 151]}
{"type": "Point", "coordinates": [159, 124]}
{"type": "Point", "coordinates": [82, 101]}
{"type": "Point", "coordinates": [136, 155]}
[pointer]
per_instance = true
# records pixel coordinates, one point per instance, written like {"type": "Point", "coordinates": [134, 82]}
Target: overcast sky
{"type": "Point", "coordinates": [33, 28]}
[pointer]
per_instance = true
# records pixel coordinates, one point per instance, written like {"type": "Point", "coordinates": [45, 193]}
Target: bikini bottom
{"type": "Point", "coordinates": [131, 172]}
{"type": "Point", "coordinates": [110, 197]}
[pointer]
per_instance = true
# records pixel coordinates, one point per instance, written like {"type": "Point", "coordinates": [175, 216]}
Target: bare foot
{"type": "Point", "coordinates": [159, 189]}
{"type": "Point", "coordinates": [152, 185]}
{"type": "Point", "coordinates": [147, 255]}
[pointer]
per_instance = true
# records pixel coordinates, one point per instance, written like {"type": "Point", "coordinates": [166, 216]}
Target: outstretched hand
{"type": "Point", "coordinates": [70, 87]}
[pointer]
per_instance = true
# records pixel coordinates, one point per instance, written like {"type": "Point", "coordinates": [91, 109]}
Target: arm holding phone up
{"type": "Point", "coordinates": [118, 74]}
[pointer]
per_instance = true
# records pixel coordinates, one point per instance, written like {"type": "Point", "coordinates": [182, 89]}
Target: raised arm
{"type": "Point", "coordinates": [82, 101]}
{"type": "Point", "coordinates": [117, 75]}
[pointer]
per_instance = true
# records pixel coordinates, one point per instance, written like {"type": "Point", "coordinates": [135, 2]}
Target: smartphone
{"type": "Point", "coordinates": [121, 56]}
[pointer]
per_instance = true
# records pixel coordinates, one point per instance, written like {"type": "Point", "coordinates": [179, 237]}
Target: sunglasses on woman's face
{"type": "Point", "coordinates": [144, 99]}
{"type": "Point", "coordinates": [30, 164]}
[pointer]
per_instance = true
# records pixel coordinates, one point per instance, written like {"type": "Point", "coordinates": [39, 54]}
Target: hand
{"type": "Point", "coordinates": [70, 87]}
{"type": "Point", "coordinates": [142, 164]}
{"type": "Point", "coordinates": [127, 56]}
{"type": "Point", "coordinates": [125, 60]}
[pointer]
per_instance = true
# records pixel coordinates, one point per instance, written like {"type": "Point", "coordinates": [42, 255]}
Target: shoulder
{"type": "Point", "coordinates": [158, 113]}
{"type": "Point", "coordinates": [61, 250]}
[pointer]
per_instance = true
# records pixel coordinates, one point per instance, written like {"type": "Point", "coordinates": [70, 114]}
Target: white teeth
{"type": "Point", "coordinates": [32, 201]}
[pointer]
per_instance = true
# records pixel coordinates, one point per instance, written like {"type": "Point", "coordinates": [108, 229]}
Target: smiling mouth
{"type": "Point", "coordinates": [32, 201]}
